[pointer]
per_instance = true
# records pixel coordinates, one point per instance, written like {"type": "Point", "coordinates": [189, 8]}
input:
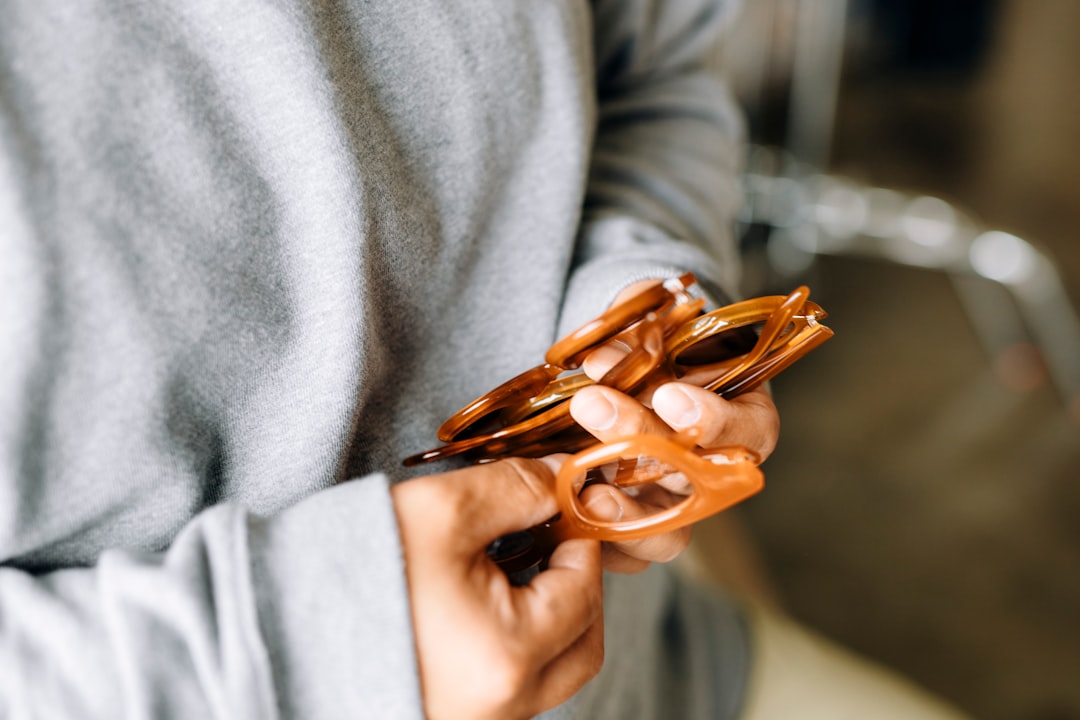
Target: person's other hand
{"type": "Point", "coordinates": [749, 419]}
{"type": "Point", "coordinates": [486, 648]}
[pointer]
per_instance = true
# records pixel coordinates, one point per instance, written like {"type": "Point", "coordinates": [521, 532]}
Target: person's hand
{"type": "Point", "coordinates": [486, 648]}
{"type": "Point", "coordinates": [749, 419]}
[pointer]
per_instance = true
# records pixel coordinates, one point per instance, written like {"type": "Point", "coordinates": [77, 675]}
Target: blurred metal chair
{"type": "Point", "coordinates": [1010, 288]}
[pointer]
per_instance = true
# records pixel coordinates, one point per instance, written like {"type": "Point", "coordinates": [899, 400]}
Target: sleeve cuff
{"type": "Point", "coordinates": [334, 606]}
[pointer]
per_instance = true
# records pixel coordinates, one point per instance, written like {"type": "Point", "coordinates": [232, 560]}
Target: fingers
{"type": "Point", "coordinates": [750, 419]}
{"type": "Point", "coordinates": [485, 648]}
{"type": "Point", "coordinates": [558, 625]}
{"type": "Point", "coordinates": [608, 414]}
{"type": "Point", "coordinates": [603, 358]}
{"type": "Point", "coordinates": [487, 501]}
{"type": "Point", "coordinates": [560, 604]}
{"type": "Point", "coordinates": [606, 502]}
{"type": "Point", "coordinates": [566, 674]}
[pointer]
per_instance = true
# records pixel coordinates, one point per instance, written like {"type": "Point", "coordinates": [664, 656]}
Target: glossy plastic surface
{"type": "Point", "coordinates": [667, 338]}
{"type": "Point", "coordinates": [720, 478]}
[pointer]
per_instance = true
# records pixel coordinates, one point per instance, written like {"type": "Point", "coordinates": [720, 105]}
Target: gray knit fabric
{"type": "Point", "coordinates": [250, 249]}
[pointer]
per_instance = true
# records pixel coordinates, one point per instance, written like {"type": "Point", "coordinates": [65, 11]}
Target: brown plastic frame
{"type": "Point", "coordinates": [530, 412]}
{"type": "Point", "coordinates": [568, 353]}
{"type": "Point", "coordinates": [720, 477]}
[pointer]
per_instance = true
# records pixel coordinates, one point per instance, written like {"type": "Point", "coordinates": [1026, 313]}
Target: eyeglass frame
{"type": "Point", "coordinates": [531, 416]}
{"type": "Point", "coordinates": [716, 486]}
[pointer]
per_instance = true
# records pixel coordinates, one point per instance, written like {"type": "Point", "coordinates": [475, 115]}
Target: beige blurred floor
{"type": "Point", "coordinates": [918, 509]}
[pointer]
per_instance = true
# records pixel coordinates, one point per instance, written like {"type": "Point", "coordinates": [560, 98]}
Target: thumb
{"type": "Point", "coordinates": [473, 506]}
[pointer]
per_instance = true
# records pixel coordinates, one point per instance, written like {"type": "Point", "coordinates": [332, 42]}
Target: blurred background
{"type": "Point", "coordinates": [916, 164]}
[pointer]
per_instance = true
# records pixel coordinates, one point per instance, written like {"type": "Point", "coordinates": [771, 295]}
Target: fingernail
{"type": "Point", "coordinates": [604, 358]}
{"type": "Point", "coordinates": [604, 506]}
{"type": "Point", "coordinates": [676, 406]}
{"type": "Point", "coordinates": [595, 412]}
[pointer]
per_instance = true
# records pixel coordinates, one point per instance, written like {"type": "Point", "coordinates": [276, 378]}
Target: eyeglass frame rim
{"type": "Point", "coordinates": [595, 332]}
{"type": "Point", "coordinates": [555, 419]}
{"type": "Point", "coordinates": [740, 480]}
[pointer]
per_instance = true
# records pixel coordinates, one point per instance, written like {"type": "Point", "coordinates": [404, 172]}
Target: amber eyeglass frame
{"type": "Point", "coordinates": [640, 323]}
{"type": "Point", "coordinates": [529, 415]}
{"type": "Point", "coordinates": [719, 478]}
{"type": "Point", "coordinates": [664, 332]}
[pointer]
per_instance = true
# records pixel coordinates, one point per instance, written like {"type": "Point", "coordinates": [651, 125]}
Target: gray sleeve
{"type": "Point", "coordinates": [663, 190]}
{"type": "Point", "coordinates": [300, 616]}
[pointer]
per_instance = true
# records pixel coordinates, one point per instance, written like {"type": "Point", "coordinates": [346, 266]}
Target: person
{"type": "Point", "coordinates": [254, 253]}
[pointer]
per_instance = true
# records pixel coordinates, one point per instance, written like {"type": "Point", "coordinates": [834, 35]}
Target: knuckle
{"type": "Point", "coordinates": [721, 419]}
{"type": "Point", "coordinates": [596, 658]}
{"type": "Point", "coordinates": [615, 560]}
{"type": "Point", "coordinates": [772, 434]}
{"type": "Point", "coordinates": [632, 417]}
{"type": "Point", "coordinates": [455, 505]}
{"type": "Point", "coordinates": [675, 545]}
{"type": "Point", "coordinates": [530, 475]}
{"type": "Point", "coordinates": [662, 548]}
{"type": "Point", "coordinates": [592, 598]}
{"type": "Point", "coordinates": [595, 599]}
{"type": "Point", "coordinates": [437, 504]}
{"type": "Point", "coordinates": [762, 429]}
{"type": "Point", "coordinates": [603, 358]}
{"type": "Point", "coordinates": [636, 422]}
{"type": "Point", "coordinates": [506, 682]}
{"type": "Point", "coordinates": [416, 493]}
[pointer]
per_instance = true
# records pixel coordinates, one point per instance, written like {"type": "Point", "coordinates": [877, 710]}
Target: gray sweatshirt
{"type": "Point", "coordinates": [250, 249]}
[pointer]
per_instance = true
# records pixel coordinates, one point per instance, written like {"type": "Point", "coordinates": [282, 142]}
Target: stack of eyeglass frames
{"type": "Point", "coordinates": [667, 337]}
